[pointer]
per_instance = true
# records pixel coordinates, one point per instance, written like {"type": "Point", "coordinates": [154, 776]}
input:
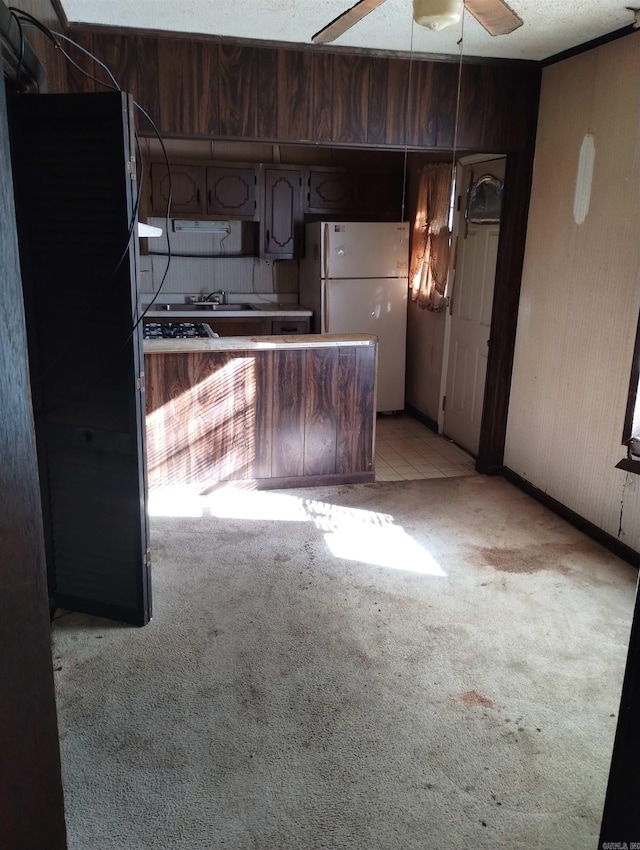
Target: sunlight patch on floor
{"type": "Point", "coordinates": [351, 534]}
{"type": "Point", "coordinates": [176, 501]}
{"type": "Point", "coordinates": [389, 546]}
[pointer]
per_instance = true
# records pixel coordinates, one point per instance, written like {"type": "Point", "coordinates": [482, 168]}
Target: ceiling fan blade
{"type": "Point", "coordinates": [494, 15]}
{"type": "Point", "coordinates": [345, 21]}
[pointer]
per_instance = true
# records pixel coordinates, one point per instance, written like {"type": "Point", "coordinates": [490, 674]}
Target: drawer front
{"type": "Point", "coordinates": [236, 326]}
{"type": "Point", "coordinates": [290, 326]}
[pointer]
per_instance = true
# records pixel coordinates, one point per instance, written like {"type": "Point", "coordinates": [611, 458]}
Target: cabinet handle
{"type": "Point", "coordinates": [198, 196]}
{"type": "Point", "coordinates": [209, 198]}
{"type": "Point", "coordinates": [291, 330]}
{"type": "Point", "coordinates": [267, 239]}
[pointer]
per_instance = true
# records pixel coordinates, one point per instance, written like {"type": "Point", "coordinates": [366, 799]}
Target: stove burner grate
{"type": "Point", "coordinates": [175, 330]}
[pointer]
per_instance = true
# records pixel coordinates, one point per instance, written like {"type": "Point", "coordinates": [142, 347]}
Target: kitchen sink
{"type": "Point", "coordinates": [202, 307]}
{"type": "Point", "coordinates": [221, 308]}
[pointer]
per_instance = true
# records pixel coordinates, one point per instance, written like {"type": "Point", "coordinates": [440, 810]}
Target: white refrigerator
{"type": "Point", "coordinates": [354, 276]}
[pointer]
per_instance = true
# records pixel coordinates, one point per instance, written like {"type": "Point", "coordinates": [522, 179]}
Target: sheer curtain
{"type": "Point", "coordinates": [430, 240]}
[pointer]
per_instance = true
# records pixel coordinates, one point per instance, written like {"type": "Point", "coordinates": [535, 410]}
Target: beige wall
{"type": "Point", "coordinates": [425, 348]}
{"type": "Point", "coordinates": [581, 293]}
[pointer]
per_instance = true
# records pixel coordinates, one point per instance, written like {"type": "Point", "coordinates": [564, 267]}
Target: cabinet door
{"type": "Point", "coordinates": [187, 189]}
{"type": "Point", "coordinates": [330, 191]}
{"type": "Point", "coordinates": [236, 326]}
{"type": "Point", "coordinates": [232, 191]}
{"type": "Point", "coordinates": [281, 223]}
{"type": "Point", "coordinates": [71, 153]}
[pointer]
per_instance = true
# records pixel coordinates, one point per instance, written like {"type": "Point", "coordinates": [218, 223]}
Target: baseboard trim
{"type": "Point", "coordinates": [311, 480]}
{"type": "Point", "coordinates": [490, 469]}
{"type": "Point", "coordinates": [626, 553]}
{"type": "Point", "coordinates": [422, 417]}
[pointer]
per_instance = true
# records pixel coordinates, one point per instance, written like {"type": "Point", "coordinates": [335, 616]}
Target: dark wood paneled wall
{"type": "Point", "coordinates": [51, 59]}
{"type": "Point", "coordinates": [221, 90]}
{"type": "Point", "coordinates": [31, 805]}
{"type": "Point", "coordinates": [297, 416]}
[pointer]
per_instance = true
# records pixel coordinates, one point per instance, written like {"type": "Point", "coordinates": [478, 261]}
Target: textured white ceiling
{"type": "Point", "coordinates": [550, 26]}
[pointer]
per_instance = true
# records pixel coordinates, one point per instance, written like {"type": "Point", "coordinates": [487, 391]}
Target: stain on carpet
{"type": "Point", "coordinates": [297, 629]}
{"type": "Point", "coordinates": [533, 558]}
{"type": "Point", "coordinates": [473, 698]}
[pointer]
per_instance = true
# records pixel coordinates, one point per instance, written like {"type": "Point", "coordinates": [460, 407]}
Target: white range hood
{"type": "Point", "coordinates": [146, 230]}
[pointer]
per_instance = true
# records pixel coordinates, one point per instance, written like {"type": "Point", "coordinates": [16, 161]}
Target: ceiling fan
{"type": "Point", "coordinates": [494, 15]}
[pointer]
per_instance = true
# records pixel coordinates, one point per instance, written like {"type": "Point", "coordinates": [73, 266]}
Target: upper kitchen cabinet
{"type": "Point", "coordinates": [202, 89]}
{"type": "Point", "coordinates": [281, 222]}
{"type": "Point", "coordinates": [352, 193]}
{"type": "Point", "coordinates": [185, 187]}
{"type": "Point", "coordinates": [213, 189]}
{"type": "Point", "coordinates": [330, 191]}
{"type": "Point", "coordinates": [232, 191]}
{"type": "Point", "coordinates": [278, 195]}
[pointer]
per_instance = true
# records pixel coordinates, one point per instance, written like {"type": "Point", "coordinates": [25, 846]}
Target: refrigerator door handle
{"type": "Point", "coordinates": [326, 251]}
{"type": "Point", "coordinates": [326, 306]}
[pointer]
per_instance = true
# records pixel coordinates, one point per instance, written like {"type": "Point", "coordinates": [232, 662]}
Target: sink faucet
{"type": "Point", "coordinates": [219, 297]}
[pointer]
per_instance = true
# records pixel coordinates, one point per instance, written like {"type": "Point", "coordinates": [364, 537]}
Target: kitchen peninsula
{"type": "Point", "coordinates": [283, 411]}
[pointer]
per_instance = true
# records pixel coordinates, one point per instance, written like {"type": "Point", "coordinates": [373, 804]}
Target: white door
{"type": "Point", "coordinates": [472, 300]}
{"type": "Point", "coordinates": [374, 306]}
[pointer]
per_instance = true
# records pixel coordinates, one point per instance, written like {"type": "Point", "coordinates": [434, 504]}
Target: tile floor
{"type": "Point", "coordinates": [406, 449]}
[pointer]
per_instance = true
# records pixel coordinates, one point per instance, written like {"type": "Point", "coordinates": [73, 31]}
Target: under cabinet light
{"type": "Point", "coordinates": [187, 226]}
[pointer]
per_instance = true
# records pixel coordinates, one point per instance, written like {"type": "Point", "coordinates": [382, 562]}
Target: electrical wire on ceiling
{"type": "Point", "coordinates": [445, 203]}
{"type": "Point", "coordinates": [460, 44]}
{"type": "Point", "coordinates": [458, 91]}
{"type": "Point", "coordinates": [21, 17]}
{"type": "Point", "coordinates": [406, 125]}
{"type": "Point", "coordinates": [53, 36]}
{"type": "Point", "coordinates": [454, 156]}
{"type": "Point", "coordinates": [20, 65]}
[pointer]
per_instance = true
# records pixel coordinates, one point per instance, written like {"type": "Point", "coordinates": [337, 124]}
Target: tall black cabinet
{"type": "Point", "coordinates": [75, 185]}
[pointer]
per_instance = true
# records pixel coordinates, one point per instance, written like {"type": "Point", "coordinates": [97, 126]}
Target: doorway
{"type": "Point", "coordinates": [470, 308]}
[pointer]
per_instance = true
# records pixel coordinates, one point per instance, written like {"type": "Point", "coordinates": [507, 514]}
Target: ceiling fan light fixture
{"type": "Point", "coordinates": [437, 14]}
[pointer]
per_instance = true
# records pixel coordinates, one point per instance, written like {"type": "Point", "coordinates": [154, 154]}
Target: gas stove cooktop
{"type": "Point", "coordinates": [176, 330]}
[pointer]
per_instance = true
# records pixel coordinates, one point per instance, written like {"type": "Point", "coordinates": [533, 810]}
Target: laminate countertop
{"type": "Point", "coordinates": [258, 343]}
{"type": "Point", "coordinates": [257, 311]}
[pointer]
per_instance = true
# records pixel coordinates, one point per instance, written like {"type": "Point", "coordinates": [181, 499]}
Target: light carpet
{"type": "Point", "coordinates": [421, 665]}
